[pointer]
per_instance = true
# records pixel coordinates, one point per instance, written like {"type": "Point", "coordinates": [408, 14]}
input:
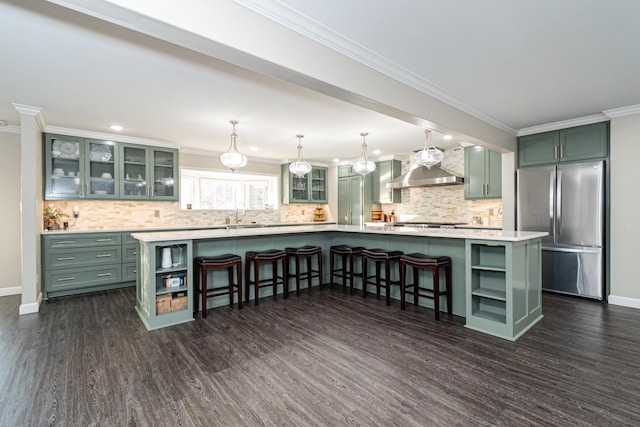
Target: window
{"type": "Point", "coordinates": [225, 190]}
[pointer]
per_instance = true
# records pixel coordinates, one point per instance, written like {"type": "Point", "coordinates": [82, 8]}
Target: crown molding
{"type": "Point", "coordinates": [110, 136]}
{"type": "Point", "coordinates": [30, 110]}
{"type": "Point", "coordinates": [302, 24]}
{"type": "Point", "coordinates": [563, 124]}
{"type": "Point", "coordinates": [622, 111]}
{"type": "Point", "coordinates": [10, 129]}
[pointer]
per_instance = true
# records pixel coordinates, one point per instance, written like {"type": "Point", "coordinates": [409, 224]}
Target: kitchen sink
{"type": "Point", "coordinates": [236, 226]}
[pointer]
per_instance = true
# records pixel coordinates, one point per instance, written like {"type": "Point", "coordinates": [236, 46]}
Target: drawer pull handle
{"type": "Point", "coordinates": [69, 258]}
{"type": "Point", "coordinates": [104, 240]}
{"type": "Point", "coordinates": [103, 274]}
{"type": "Point", "coordinates": [103, 256]}
{"type": "Point", "coordinates": [66, 242]}
{"type": "Point", "coordinates": [66, 279]}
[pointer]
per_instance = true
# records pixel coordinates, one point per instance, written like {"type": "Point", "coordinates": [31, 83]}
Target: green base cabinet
{"type": "Point", "coordinates": [386, 171]}
{"type": "Point", "coordinates": [588, 142]}
{"type": "Point", "coordinates": [80, 263]}
{"type": "Point", "coordinates": [311, 188]}
{"type": "Point", "coordinates": [158, 303]}
{"type": "Point", "coordinates": [503, 287]}
{"type": "Point", "coordinates": [482, 173]}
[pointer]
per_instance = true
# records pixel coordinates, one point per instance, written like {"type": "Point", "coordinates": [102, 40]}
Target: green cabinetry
{"type": "Point", "coordinates": [148, 173]}
{"type": "Point", "coordinates": [588, 142]}
{"type": "Point", "coordinates": [354, 198]}
{"type": "Point", "coordinates": [78, 263]}
{"type": "Point", "coordinates": [503, 286]}
{"type": "Point", "coordinates": [386, 171]}
{"type": "Point", "coordinates": [84, 168]}
{"type": "Point", "coordinates": [164, 295]}
{"type": "Point", "coordinates": [482, 173]}
{"type": "Point", "coordinates": [311, 188]}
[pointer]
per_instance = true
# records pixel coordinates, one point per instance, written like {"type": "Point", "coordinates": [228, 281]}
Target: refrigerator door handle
{"type": "Point", "coordinates": [552, 225]}
{"type": "Point", "coordinates": [559, 205]}
{"type": "Point", "coordinates": [580, 250]}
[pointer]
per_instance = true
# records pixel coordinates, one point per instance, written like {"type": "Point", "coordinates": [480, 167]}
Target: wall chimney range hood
{"type": "Point", "coordinates": [422, 176]}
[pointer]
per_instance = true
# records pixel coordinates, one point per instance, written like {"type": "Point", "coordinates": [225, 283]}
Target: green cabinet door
{"type": "Point", "coordinates": [482, 173]}
{"type": "Point", "coordinates": [584, 142]}
{"type": "Point", "coordinates": [538, 149]}
{"type": "Point", "coordinates": [386, 171]}
{"type": "Point", "coordinates": [164, 174]}
{"type": "Point", "coordinates": [344, 200]}
{"type": "Point", "coordinates": [64, 167]}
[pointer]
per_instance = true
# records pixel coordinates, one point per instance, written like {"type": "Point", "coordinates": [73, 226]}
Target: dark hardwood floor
{"type": "Point", "coordinates": [324, 358]}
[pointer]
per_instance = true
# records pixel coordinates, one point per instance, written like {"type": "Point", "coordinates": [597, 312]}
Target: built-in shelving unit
{"type": "Point", "coordinates": [165, 294]}
{"type": "Point", "coordinates": [503, 287]}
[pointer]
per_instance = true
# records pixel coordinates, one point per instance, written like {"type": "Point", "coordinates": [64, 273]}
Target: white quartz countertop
{"type": "Point", "coordinates": [480, 234]}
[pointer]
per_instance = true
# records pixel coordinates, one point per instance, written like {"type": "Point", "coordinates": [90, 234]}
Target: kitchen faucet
{"type": "Point", "coordinates": [239, 207]}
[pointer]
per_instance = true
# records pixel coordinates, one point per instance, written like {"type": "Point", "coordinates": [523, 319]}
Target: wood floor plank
{"type": "Point", "coordinates": [324, 358]}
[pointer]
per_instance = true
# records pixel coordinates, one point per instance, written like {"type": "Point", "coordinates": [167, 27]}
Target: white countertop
{"type": "Point", "coordinates": [510, 236]}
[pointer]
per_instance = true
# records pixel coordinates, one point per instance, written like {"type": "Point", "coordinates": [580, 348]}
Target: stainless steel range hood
{"type": "Point", "coordinates": [421, 176]}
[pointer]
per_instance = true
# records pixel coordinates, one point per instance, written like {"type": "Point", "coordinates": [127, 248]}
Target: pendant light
{"type": "Point", "coordinates": [300, 167]}
{"type": "Point", "coordinates": [429, 155]}
{"type": "Point", "coordinates": [233, 159]}
{"type": "Point", "coordinates": [363, 165]}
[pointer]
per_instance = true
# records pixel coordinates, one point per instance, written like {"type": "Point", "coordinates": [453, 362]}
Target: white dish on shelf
{"type": "Point", "coordinates": [58, 172]}
{"type": "Point", "coordinates": [106, 175]}
{"type": "Point", "coordinates": [67, 149]}
{"type": "Point", "coordinates": [100, 192]}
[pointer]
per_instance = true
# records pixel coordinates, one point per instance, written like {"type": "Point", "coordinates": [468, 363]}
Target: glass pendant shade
{"type": "Point", "coordinates": [429, 155]}
{"type": "Point", "coordinates": [363, 165]}
{"type": "Point", "coordinates": [232, 158]}
{"type": "Point", "coordinates": [300, 167]}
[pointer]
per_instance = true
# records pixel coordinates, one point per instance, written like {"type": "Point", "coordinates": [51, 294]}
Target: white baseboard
{"type": "Point", "coordinates": [30, 308]}
{"type": "Point", "coordinates": [624, 301]}
{"type": "Point", "coordinates": [12, 290]}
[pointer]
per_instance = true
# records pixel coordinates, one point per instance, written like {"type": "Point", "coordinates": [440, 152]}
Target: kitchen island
{"type": "Point", "coordinates": [496, 275]}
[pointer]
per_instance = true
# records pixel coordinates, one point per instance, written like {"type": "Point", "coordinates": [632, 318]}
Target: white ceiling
{"type": "Point", "coordinates": [512, 64]}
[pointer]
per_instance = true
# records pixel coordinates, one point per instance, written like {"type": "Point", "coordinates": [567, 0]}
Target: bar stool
{"type": "Point", "coordinates": [255, 258]}
{"type": "Point", "coordinates": [344, 252]}
{"type": "Point", "coordinates": [380, 256]}
{"type": "Point", "coordinates": [434, 263]}
{"type": "Point", "coordinates": [202, 265]}
{"type": "Point", "coordinates": [305, 252]}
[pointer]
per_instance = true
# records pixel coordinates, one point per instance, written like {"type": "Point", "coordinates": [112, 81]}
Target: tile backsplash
{"type": "Point", "coordinates": [118, 214]}
{"type": "Point", "coordinates": [443, 204]}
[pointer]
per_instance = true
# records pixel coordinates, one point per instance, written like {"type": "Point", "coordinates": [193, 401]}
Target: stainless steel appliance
{"type": "Point", "coordinates": [567, 201]}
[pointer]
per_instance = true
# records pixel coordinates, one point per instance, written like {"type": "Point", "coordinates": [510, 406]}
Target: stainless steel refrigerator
{"type": "Point", "coordinates": [567, 201]}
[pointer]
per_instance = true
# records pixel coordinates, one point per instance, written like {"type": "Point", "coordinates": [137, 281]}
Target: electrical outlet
{"type": "Point", "coordinates": [302, 211]}
{"type": "Point", "coordinates": [157, 213]}
{"type": "Point", "coordinates": [490, 211]}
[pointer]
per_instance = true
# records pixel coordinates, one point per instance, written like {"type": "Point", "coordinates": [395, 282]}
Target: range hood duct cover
{"type": "Point", "coordinates": [421, 176]}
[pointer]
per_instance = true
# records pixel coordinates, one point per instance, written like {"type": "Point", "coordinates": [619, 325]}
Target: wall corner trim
{"type": "Point", "coordinates": [624, 301]}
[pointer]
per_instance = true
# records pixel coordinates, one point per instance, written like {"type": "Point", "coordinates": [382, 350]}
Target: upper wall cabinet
{"type": "Point", "coordinates": [311, 188]}
{"type": "Point", "coordinates": [385, 171]}
{"type": "Point", "coordinates": [482, 173]}
{"type": "Point", "coordinates": [83, 168]}
{"type": "Point", "coordinates": [578, 143]}
{"type": "Point", "coordinates": [148, 173]}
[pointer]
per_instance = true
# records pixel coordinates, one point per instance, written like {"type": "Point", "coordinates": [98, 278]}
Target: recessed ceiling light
{"type": "Point", "coordinates": [376, 152]}
{"type": "Point", "coordinates": [336, 160]}
{"type": "Point", "coordinates": [447, 137]}
{"type": "Point", "coordinates": [253, 148]}
{"type": "Point", "coordinates": [115, 127]}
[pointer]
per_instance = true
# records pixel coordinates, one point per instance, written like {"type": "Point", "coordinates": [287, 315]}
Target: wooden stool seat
{"type": "Point", "coordinates": [344, 252]}
{"type": "Point", "coordinates": [419, 261]}
{"type": "Point", "coordinates": [379, 256]}
{"type": "Point", "coordinates": [201, 266]}
{"type": "Point", "coordinates": [254, 258]}
{"type": "Point", "coordinates": [307, 252]}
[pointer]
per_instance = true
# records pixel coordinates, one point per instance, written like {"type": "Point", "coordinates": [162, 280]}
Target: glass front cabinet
{"type": "Point", "coordinates": [83, 168]}
{"type": "Point", "coordinates": [79, 168]}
